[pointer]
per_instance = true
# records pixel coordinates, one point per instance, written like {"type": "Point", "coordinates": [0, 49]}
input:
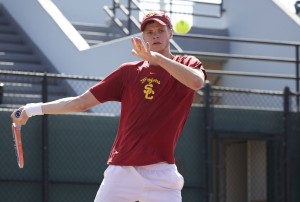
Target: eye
{"type": "Point", "coordinates": [149, 32]}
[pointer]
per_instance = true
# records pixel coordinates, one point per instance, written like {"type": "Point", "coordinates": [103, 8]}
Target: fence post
{"type": "Point", "coordinates": [286, 108]}
{"type": "Point", "coordinates": [1, 93]}
{"type": "Point", "coordinates": [128, 17]}
{"type": "Point", "coordinates": [114, 7]}
{"type": "Point", "coordinates": [297, 77]}
{"type": "Point", "coordinates": [208, 139]}
{"type": "Point", "coordinates": [45, 165]}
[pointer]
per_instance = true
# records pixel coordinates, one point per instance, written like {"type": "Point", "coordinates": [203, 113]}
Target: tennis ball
{"type": "Point", "coordinates": [182, 27]}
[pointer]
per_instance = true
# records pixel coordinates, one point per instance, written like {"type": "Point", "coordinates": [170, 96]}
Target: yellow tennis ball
{"type": "Point", "coordinates": [182, 27]}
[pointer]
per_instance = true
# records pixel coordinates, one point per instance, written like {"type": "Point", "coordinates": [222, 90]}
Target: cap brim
{"type": "Point", "coordinates": [151, 19]}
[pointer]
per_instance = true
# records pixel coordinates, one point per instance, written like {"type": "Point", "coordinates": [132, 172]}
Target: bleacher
{"type": "Point", "coordinates": [20, 58]}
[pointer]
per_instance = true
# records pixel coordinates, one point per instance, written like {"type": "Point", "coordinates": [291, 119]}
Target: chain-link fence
{"type": "Point", "coordinates": [249, 132]}
{"type": "Point", "coordinates": [237, 144]}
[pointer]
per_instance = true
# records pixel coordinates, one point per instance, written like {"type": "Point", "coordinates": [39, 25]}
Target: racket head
{"type": "Point", "coordinates": [16, 132]}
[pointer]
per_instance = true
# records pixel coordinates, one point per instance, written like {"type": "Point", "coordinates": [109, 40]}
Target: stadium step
{"type": "Point", "coordinates": [19, 57]}
{"type": "Point", "coordinates": [16, 66]}
{"type": "Point", "coordinates": [96, 34]}
{"type": "Point", "coordinates": [19, 54]}
{"type": "Point", "coordinates": [17, 48]}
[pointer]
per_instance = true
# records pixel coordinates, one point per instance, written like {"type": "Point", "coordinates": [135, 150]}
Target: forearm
{"type": "Point", "coordinates": [70, 104]}
{"type": "Point", "coordinates": [192, 78]}
{"type": "Point", "coordinates": [65, 105]}
{"type": "Point", "coordinates": [62, 106]}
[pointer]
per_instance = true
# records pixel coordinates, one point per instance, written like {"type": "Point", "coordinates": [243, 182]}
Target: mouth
{"type": "Point", "coordinates": [156, 43]}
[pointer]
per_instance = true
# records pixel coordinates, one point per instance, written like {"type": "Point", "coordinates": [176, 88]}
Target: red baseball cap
{"type": "Point", "coordinates": [157, 16]}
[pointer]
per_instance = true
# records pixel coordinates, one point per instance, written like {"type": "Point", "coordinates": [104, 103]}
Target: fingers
{"type": "Point", "coordinates": [138, 46]}
{"type": "Point", "coordinates": [134, 45]}
{"type": "Point", "coordinates": [148, 46]}
{"type": "Point", "coordinates": [19, 120]}
{"type": "Point", "coordinates": [137, 43]}
{"type": "Point", "coordinates": [140, 49]}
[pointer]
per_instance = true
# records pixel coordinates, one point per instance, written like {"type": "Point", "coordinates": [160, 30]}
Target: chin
{"type": "Point", "coordinates": [157, 48]}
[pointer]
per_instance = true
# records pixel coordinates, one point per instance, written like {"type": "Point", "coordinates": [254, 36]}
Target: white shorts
{"type": "Point", "coordinates": [153, 183]}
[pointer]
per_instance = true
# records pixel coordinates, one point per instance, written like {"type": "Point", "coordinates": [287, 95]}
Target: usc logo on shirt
{"type": "Point", "coordinates": [148, 87]}
{"type": "Point", "coordinates": [149, 92]}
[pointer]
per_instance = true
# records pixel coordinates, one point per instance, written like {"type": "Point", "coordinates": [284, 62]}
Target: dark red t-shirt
{"type": "Point", "coordinates": [154, 110]}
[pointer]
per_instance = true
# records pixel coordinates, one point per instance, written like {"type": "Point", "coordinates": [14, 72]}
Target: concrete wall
{"type": "Point", "coordinates": [84, 11]}
{"type": "Point", "coordinates": [261, 20]}
{"type": "Point", "coordinates": [62, 44]}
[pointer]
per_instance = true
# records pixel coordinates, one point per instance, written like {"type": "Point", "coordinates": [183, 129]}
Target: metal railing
{"type": "Point", "coordinates": [214, 55]}
{"type": "Point", "coordinates": [134, 5]}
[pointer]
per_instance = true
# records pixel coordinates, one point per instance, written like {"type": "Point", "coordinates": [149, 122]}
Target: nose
{"type": "Point", "coordinates": [155, 35]}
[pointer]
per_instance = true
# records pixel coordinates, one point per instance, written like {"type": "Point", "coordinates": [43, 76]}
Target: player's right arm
{"type": "Point", "coordinates": [61, 106]}
{"type": "Point", "coordinates": [70, 104]}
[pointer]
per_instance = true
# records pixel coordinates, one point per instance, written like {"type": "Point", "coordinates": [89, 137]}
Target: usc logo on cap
{"type": "Point", "coordinates": [151, 13]}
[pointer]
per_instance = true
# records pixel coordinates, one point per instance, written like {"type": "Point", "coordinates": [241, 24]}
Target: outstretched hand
{"type": "Point", "coordinates": [140, 49]}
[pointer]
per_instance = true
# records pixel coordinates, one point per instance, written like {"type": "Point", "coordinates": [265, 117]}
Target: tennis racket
{"type": "Point", "coordinates": [16, 131]}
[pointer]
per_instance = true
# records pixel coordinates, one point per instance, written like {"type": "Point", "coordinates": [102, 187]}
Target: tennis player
{"type": "Point", "coordinates": [156, 94]}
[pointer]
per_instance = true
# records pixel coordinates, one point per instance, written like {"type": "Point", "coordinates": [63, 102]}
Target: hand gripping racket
{"type": "Point", "coordinates": [16, 131]}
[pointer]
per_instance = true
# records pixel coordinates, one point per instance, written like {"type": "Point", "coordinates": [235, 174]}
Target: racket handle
{"type": "Point", "coordinates": [17, 126]}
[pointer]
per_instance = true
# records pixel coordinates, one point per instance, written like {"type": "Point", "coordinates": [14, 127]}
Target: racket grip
{"type": "Point", "coordinates": [17, 126]}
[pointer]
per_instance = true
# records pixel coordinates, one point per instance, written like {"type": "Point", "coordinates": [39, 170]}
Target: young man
{"type": "Point", "coordinates": [156, 95]}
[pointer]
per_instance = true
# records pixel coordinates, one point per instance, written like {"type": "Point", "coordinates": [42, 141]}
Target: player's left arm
{"type": "Point", "coordinates": [190, 77]}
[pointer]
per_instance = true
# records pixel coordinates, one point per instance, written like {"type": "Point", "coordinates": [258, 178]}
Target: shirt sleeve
{"type": "Point", "coordinates": [110, 88]}
{"type": "Point", "coordinates": [192, 61]}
